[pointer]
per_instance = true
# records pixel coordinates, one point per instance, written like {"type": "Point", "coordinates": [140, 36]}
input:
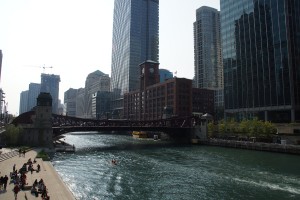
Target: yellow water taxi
{"type": "Point", "coordinates": [139, 134]}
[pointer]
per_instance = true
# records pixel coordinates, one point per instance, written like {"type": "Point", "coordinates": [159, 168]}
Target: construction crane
{"type": "Point", "coordinates": [43, 67]}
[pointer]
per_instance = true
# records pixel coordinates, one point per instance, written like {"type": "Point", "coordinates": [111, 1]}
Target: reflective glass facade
{"type": "Point", "coordinates": [135, 40]}
{"type": "Point", "coordinates": [207, 49]}
{"type": "Point", "coordinates": [261, 58]}
{"type": "Point", "coordinates": [50, 84]}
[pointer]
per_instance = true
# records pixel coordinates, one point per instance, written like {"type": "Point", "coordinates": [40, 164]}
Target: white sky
{"type": "Point", "coordinates": [75, 38]}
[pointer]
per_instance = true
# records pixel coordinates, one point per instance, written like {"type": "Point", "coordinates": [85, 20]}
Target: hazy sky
{"type": "Point", "coordinates": [75, 38]}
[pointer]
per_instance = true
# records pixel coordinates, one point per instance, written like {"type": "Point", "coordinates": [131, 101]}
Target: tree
{"type": "Point", "coordinates": [12, 134]}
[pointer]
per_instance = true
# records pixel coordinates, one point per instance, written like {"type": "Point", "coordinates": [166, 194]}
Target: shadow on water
{"type": "Point", "coordinates": [130, 147]}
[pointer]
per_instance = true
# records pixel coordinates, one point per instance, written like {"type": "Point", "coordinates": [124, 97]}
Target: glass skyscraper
{"type": "Point", "coordinates": [50, 84]}
{"type": "Point", "coordinates": [207, 49]}
{"type": "Point", "coordinates": [261, 59]}
{"type": "Point", "coordinates": [135, 40]}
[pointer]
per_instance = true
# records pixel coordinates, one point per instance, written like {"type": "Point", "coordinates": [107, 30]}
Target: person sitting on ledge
{"type": "Point", "coordinates": [34, 191]}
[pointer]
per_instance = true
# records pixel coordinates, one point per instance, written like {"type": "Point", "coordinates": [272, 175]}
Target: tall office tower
{"type": "Point", "coordinates": [1, 56]}
{"type": "Point", "coordinates": [50, 84]}
{"type": "Point", "coordinates": [96, 81]}
{"type": "Point", "coordinates": [70, 102]}
{"type": "Point", "coordinates": [33, 93]}
{"type": "Point", "coordinates": [261, 51]}
{"type": "Point", "coordinates": [207, 49]}
{"type": "Point", "coordinates": [23, 102]}
{"type": "Point", "coordinates": [80, 102]}
{"type": "Point", "coordinates": [135, 40]}
{"type": "Point", "coordinates": [208, 73]}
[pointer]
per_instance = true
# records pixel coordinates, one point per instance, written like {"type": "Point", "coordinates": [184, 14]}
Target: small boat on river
{"type": "Point", "coordinates": [139, 134]}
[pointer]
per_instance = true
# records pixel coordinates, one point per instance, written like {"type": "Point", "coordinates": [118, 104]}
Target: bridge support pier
{"type": "Point", "coordinates": [199, 133]}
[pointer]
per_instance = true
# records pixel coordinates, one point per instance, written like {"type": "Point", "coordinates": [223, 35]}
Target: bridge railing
{"type": "Point", "coordinates": [66, 121]}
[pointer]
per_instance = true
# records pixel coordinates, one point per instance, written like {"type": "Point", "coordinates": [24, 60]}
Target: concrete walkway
{"type": "Point", "coordinates": [57, 190]}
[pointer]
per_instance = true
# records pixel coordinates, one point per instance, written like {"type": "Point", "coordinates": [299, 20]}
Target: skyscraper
{"type": "Point", "coordinates": [135, 40]}
{"type": "Point", "coordinates": [261, 51]}
{"type": "Point", "coordinates": [70, 102]}
{"type": "Point", "coordinates": [23, 102]}
{"type": "Point", "coordinates": [208, 56]}
{"type": "Point", "coordinates": [33, 93]}
{"type": "Point", "coordinates": [95, 81]}
{"type": "Point", "coordinates": [207, 49]}
{"type": "Point", "coordinates": [50, 84]}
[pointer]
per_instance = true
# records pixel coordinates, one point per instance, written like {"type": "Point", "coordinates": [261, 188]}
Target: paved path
{"type": "Point", "coordinates": [57, 190]}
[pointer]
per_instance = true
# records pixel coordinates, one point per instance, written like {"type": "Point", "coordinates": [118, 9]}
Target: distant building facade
{"type": "Point", "coordinates": [153, 97]}
{"type": "Point", "coordinates": [70, 102]}
{"type": "Point", "coordinates": [96, 81]}
{"type": "Point", "coordinates": [23, 102]}
{"type": "Point", "coordinates": [173, 97]}
{"type": "Point", "coordinates": [28, 98]}
{"type": "Point", "coordinates": [135, 39]}
{"type": "Point", "coordinates": [164, 75]}
{"type": "Point", "coordinates": [101, 105]}
{"type": "Point", "coordinates": [261, 42]}
{"type": "Point", "coordinates": [50, 84]}
{"type": "Point", "coordinates": [203, 101]}
{"type": "Point", "coordinates": [33, 93]}
{"type": "Point", "coordinates": [80, 102]}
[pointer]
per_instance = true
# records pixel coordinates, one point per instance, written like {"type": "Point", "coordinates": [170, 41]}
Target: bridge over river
{"type": "Point", "coordinates": [175, 127]}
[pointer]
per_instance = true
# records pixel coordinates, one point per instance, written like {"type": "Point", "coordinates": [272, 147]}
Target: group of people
{"type": "Point", "coordinates": [40, 187]}
{"type": "Point", "coordinates": [3, 182]}
{"type": "Point", "coordinates": [18, 177]}
{"type": "Point", "coordinates": [114, 161]}
{"type": "Point", "coordinates": [22, 153]}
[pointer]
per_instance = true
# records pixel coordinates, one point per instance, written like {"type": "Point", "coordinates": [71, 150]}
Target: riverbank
{"type": "Point", "coordinates": [57, 190]}
{"type": "Point", "coordinates": [258, 146]}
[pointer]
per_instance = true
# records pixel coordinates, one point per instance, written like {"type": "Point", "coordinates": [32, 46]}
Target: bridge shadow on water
{"type": "Point", "coordinates": [131, 147]}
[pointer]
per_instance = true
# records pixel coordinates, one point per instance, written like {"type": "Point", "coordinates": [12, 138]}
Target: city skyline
{"type": "Point", "coordinates": [77, 42]}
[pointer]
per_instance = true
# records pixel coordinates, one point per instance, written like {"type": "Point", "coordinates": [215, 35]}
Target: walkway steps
{"type": "Point", "coordinates": [5, 156]}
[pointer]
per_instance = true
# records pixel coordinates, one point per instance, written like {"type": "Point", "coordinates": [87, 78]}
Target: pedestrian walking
{"type": "Point", "coordinates": [14, 168]}
{"type": "Point", "coordinates": [5, 180]}
{"type": "Point", "coordinates": [16, 191]}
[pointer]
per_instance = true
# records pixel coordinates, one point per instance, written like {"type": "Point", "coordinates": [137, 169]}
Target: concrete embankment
{"type": "Point", "coordinates": [259, 146]}
{"type": "Point", "coordinates": [57, 190]}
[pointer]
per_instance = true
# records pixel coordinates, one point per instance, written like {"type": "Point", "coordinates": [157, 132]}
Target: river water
{"type": "Point", "coordinates": [148, 169]}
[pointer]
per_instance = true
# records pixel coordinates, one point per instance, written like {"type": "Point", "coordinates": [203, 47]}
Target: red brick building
{"type": "Point", "coordinates": [154, 99]}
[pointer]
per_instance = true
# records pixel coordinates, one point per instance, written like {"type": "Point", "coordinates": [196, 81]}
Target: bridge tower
{"type": "Point", "coordinates": [41, 131]}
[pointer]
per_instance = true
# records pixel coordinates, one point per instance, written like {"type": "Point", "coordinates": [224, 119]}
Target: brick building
{"type": "Point", "coordinates": [174, 97]}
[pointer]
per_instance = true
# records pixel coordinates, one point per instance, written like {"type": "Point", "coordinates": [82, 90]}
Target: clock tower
{"type": "Point", "coordinates": [149, 74]}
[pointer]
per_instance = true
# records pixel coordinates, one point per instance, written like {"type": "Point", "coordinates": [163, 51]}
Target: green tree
{"type": "Point", "coordinates": [210, 129]}
{"type": "Point", "coordinates": [12, 134]}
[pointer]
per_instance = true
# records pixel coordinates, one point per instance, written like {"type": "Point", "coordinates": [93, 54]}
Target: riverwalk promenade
{"type": "Point", "coordinates": [57, 190]}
